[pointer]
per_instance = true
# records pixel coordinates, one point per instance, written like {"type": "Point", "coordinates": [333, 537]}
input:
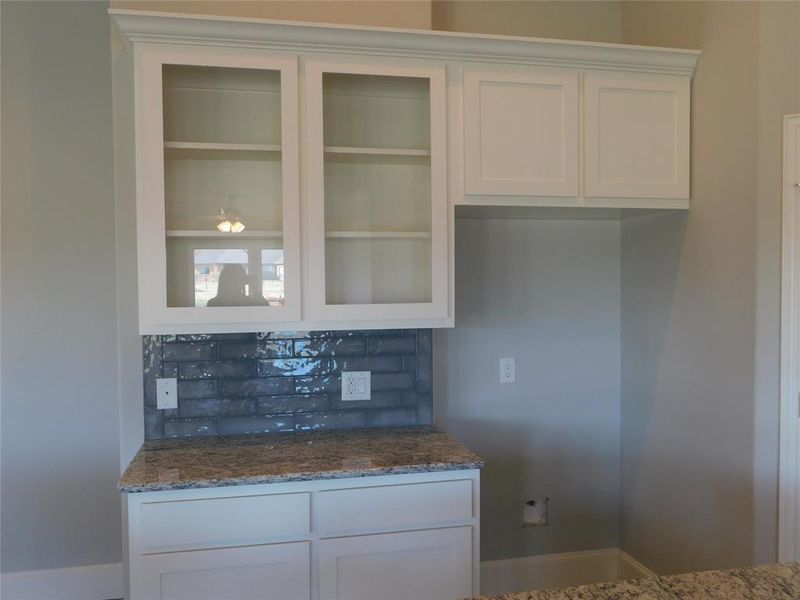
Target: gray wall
{"type": "Point", "coordinates": [59, 410]}
{"type": "Point", "coordinates": [546, 292]}
{"type": "Point", "coordinates": [700, 301]}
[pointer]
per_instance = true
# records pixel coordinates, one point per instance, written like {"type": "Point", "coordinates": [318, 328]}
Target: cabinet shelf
{"type": "Point", "coordinates": [363, 155]}
{"type": "Point", "coordinates": [217, 151]}
{"type": "Point", "coordinates": [331, 235]}
{"type": "Point", "coordinates": [365, 151]}
{"type": "Point", "coordinates": [203, 233]}
{"type": "Point", "coordinates": [378, 235]}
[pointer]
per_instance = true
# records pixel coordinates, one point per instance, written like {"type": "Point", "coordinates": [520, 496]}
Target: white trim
{"type": "Point", "coordinates": [315, 37]}
{"type": "Point", "coordinates": [94, 582]}
{"type": "Point", "coordinates": [550, 571]}
{"type": "Point", "coordinates": [630, 568]}
{"type": "Point", "coordinates": [790, 346]}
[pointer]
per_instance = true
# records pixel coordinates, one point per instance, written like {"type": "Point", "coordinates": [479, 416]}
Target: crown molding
{"type": "Point", "coordinates": [157, 27]}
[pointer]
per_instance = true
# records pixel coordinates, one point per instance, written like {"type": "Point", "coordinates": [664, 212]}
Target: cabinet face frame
{"type": "Point", "coordinates": [595, 83]}
{"type": "Point", "coordinates": [520, 78]}
{"type": "Point", "coordinates": [317, 306]}
{"type": "Point", "coordinates": [154, 314]}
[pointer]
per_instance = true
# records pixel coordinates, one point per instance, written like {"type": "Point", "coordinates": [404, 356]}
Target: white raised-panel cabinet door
{"type": "Point", "coordinates": [377, 217]}
{"type": "Point", "coordinates": [521, 133]}
{"type": "Point", "coordinates": [217, 187]}
{"type": "Point", "coordinates": [637, 136]}
{"type": "Point", "coordinates": [435, 564]}
{"type": "Point", "coordinates": [272, 572]}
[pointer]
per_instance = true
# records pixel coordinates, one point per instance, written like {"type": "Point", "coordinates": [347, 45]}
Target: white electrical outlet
{"type": "Point", "coordinates": [508, 370]}
{"type": "Point", "coordinates": [167, 392]}
{"type": "Point", "coordinates": [356, 385]}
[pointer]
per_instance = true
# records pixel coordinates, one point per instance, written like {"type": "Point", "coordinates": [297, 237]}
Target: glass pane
{"type": "Point", "coordinates": [222, 186]}
{"type": "Point", "coordinates": [377, 189]}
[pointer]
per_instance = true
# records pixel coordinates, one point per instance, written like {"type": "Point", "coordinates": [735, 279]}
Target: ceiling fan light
{"type": "Point", "coordinates": [225, 226]}
{"type": "Point", "coordinates": [237, 227]}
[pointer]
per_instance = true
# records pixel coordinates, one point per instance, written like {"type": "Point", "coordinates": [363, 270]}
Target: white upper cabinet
{"type": "Point", "coordinates": [305, 176]}
{"type": "Point", "coordinates": [376, 190]}
{"type": "Point", "coordinates": [637, 136]}
{"type": "Point", "coordinates": [217, 178]}
{"type": "Point", "coordinates": [521, 132]}
{"type": "Point", "coordinates": [530, 135]}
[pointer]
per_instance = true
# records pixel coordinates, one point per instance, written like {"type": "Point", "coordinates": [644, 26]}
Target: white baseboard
{"type": "Point", "coordinates": [630, 568]}
{"type": "Point", "coordinates": [550, 571]}
{"type": "Point", "coordinates": [95, 582]}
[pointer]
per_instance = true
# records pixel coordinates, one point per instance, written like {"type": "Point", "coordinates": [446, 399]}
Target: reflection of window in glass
{"type": "Point", "coordinates": [208, 267]}
{"type": "Point", "coordinates": [272, 275]}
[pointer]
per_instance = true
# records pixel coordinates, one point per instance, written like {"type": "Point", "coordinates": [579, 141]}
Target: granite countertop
{"type": "Point", "coordinates": [769, 582]}
{"type": "Point", "coordinates": [273, 458]}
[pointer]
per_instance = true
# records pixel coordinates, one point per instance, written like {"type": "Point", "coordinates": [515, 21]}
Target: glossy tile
{"type": "Point", "coordinates": [263, 375]}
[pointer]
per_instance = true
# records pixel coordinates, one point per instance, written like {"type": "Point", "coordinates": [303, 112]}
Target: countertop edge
{"type": "Point", "coordinates": [311, 476]}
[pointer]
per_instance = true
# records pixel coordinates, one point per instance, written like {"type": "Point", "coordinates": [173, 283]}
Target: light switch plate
{"type": "Point", "coordinates": [167, 392]}
{"type": "Point", "coordinates": [356, 385]}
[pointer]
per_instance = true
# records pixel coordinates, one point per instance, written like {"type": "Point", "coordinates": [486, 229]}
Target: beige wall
{"type": "Point", "coordinates": [415, 14]}
{"type": "Point", "coordinates": [597, 21]}
{"type": "Point", "coordinates": [580, 20]}
{"type": "Point", "coordinates": [700, 301]}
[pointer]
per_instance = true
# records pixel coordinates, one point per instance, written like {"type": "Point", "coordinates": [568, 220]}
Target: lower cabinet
{"type": "Point", "coordinates": [393, 537]}
{"type": "Point", "coordinates": [434, 565]}
{"type": "Point", "coordinates": [269, 572]}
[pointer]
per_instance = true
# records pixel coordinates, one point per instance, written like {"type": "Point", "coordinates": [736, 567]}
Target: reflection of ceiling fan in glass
{"type": "Point", "coordinates": [227, 221]}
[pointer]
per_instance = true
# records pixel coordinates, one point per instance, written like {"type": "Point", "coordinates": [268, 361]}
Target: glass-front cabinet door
{"type": "Point", "coordinates": [376, 190]}
{"type": "Point", "coordinates": [217, 178]}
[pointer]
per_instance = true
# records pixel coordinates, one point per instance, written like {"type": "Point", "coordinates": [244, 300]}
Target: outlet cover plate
{"type": "Point", "coordinates": [356, 385]}
{"type": "Point", "coordinates": [167, 392]}
{"type": "Point", "coordinates": [508, 370]}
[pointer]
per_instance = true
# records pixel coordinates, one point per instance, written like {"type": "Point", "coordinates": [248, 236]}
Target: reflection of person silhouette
{"type": "Point", "coordinates": [231, 289]}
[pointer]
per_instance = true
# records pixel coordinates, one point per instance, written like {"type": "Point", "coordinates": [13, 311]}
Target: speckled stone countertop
{"type": "Point", "coordinates": [273, 458]}
{"type": "Point", "coordinates": [770, 582]}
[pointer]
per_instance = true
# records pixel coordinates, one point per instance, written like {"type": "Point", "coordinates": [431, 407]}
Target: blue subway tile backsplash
{"type": "Point", "coordinates": [244, 383]}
